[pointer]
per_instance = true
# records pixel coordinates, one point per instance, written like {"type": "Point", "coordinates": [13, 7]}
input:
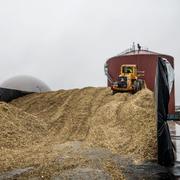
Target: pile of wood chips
{"type": "Point", "coordinates": [51, 131]}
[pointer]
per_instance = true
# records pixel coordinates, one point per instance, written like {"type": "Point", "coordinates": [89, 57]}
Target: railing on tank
{"type": "Point", "coordinates": [133, 49]}
{"type": "Point", "coordinates": [107, 73]}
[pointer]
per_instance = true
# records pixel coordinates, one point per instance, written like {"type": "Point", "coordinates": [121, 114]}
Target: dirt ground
{"type": "Point", "coordinates": [76, 134]}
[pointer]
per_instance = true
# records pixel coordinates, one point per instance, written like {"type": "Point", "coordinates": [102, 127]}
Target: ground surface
{"type": "Point", "coordinates": [78, 134]}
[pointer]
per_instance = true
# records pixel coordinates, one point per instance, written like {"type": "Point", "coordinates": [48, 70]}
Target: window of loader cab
{"type": "Point", "coordinates": [127, 69]}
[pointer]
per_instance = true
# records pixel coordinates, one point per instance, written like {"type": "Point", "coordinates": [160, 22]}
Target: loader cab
{"type": "Point", "coordinates": [127, 69]}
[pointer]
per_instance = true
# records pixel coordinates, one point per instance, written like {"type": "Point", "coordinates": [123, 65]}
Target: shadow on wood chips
{"type": "Point", "coordinates": [76, 134]}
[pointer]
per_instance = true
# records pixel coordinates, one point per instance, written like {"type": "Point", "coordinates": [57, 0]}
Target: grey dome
{"type": "Point", "coordinates": [25, 83]}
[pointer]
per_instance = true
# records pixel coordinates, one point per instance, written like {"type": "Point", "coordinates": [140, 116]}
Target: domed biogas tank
{"type": "Point", "coordinates": [19, 86]}
{"type": "Point", "coordinates": [25, 83]}
{"type": "Point", "coordinates": [146, 61]}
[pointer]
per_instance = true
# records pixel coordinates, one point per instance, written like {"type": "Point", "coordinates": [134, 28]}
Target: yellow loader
{"type": "Point", "coordinates": [128, 80]}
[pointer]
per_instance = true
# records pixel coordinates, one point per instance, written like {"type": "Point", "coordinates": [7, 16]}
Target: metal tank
{"type": "Point", "coordinates": [25, 83]}
{"type": "Point", "coordinates": [146, 61]}
{"type": "Point", "coordinates": [19, 86]}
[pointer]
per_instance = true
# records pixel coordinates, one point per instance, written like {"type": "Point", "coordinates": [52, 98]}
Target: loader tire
{"type": "Point", "coordinates": [113, 92]}
{"type": "Point", "coordinates": [137, 86]}
{"type": "Point", "coordinates": [142, 83]}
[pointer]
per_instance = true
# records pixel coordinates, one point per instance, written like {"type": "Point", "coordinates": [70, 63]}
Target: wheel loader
{"type": "Point", "coordinates": [129, 79]}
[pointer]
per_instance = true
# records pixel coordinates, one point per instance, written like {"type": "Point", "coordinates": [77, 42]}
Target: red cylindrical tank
{"type": "Point", "coordinates": [146, 61]}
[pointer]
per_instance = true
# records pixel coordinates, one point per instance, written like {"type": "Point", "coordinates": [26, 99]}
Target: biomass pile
{"type": "Point", "coordinates": [17, 131]}
{"type": "Point", "coordinates": [77, 131]}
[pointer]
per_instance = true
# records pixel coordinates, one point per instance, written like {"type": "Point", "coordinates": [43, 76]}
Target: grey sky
{"type": "Point", "coordinates": [66, 42]}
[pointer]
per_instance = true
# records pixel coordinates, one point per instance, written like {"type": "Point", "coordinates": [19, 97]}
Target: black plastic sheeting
{"type": "Point", "coordinates": [10, 94]}
{"type": "Point", "coordinates": [166, 148]}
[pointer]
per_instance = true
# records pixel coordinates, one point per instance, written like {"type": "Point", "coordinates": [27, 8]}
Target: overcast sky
{"type": "Point", "coordinates": [66, 42]}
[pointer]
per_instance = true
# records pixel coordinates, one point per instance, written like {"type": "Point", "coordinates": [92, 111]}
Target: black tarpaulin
{"type": "Point", "coordinates": [165, 147]}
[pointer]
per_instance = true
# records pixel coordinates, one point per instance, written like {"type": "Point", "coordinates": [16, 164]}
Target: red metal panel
{"type": "Point", "coordinates": [146, 63]}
